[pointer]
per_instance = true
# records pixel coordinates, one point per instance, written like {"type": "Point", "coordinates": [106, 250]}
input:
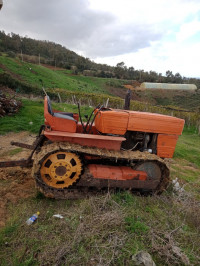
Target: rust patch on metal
{"type": "Point", "coordinates": [23, 163]}
{"type": "Point", "coordinates": [61, 170]}
{"type": "Point", "coordinates": [22, 145]}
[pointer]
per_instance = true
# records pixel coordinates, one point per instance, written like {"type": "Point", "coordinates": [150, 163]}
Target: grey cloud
{"type": "Point", "coordinates": [121, 40]}
{"type": "Point", "coordinates": [76, 26]}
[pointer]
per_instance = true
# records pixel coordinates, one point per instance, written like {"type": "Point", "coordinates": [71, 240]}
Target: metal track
{"type": "Point", "coordinates": [87, 185]}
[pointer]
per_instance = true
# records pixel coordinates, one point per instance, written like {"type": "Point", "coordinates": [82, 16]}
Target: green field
{"type": "Point", "coordinates": [53, 78]}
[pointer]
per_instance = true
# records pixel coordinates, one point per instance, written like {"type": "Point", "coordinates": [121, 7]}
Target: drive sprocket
{"type": "Point", "coordinates": [60, 169]}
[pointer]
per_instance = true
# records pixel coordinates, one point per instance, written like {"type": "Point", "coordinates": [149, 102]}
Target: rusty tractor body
{"type": "Point", "coordinates": [115, 149]}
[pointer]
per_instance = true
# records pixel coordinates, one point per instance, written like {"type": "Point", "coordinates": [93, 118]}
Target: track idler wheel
{"type": "Point", "coordinates": [154, 174]}
{"type": "Point", "coordinates": [151, 168]}
{"type": "Point", "coordinates": [61, 169]}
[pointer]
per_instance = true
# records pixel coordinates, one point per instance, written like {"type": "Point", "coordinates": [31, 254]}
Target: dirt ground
{"type": "Point", "coordinates": [15, 183]}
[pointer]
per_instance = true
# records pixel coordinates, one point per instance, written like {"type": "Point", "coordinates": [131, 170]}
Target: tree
{"type": "Point", "coordinates": [178, 78]}
{"type": "Point", "coordinates": [120, 70]}
{"type": "Point", "coordinates": [169, 76]}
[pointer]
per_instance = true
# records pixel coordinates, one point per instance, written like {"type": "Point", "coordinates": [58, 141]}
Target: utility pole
{"type": "Point", "coordinates": [39, 59]}
{"type": "Point", "coordinates": [21, 49]}
{"type": "Point", "coordinates": [22, 56]}
{"type": "Point", "coordinates": [127, 100]}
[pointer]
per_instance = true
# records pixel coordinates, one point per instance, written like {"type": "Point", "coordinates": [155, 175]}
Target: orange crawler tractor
{"type": "Point", "coordinates": [113, 149]}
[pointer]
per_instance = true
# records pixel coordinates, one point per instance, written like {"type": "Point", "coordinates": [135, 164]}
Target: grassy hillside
{"type": "Point", "coordinates": [25, 78]}
{"type": "Point", "coordinates": [52, 78]}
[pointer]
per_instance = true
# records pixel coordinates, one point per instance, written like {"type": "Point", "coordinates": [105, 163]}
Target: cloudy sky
{"type": "Point", "coordinates": [155, 35]}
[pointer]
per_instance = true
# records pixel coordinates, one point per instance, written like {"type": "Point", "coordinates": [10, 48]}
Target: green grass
{"type": "Point", "coordinates": [12, 152]}
{"type": "Point", "coordinates": [188, 148]}
{"type": "Point", "coordinates": [31, 116]}
{"type": "Point", "coordinates": [186, 162]}
{"type": "Point", "coordinates": [98, 230]}
{"type": "Point", "coordinates": [15, 151]}
{"type": "Point", "coordinates": [32, 74]}
{"type": "Point", "coordinates": [135, 225]}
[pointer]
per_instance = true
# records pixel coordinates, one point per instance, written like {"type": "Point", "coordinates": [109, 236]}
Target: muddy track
{"type": "Point", "coordinates": [87, 185]}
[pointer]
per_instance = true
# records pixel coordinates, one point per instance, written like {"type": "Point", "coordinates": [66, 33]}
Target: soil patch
{"type": "Point", "coordinates": [15, 183]}
{"type": "Point", "coordinates": [6, 147]}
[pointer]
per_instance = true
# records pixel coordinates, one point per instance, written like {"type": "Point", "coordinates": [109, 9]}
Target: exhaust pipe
{"type": "Point", "coordinates": [1, 4]}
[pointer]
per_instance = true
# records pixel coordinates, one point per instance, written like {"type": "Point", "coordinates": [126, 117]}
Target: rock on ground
{"type": "Point", "coordinates": [143, 258]}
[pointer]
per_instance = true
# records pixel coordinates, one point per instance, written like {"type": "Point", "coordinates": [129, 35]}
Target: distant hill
{"type": "Point", "coordinates": [47, 52]}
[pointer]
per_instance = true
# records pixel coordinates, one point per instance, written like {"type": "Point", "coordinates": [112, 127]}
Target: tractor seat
{"type": "Point", "coordinates": [63, 115]}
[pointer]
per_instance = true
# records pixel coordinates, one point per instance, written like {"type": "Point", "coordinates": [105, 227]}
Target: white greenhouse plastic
{"type": "Point", "coordinates": [168, 86]}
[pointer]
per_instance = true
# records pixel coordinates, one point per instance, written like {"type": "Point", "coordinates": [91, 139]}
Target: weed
{"type": "Point", "coordinates": [135, 225]}
{"type": "Point", "coordinates": [7, 232]}
{"type": "Point", "coordinates": [123, 198]}
{"type": "Point", "coordinates": [15, 151]}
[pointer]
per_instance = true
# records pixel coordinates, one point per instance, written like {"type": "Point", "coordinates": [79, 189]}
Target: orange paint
{"type": "Point", "coordinates": [99, 141]}
{"type": "Point", "coordinates": [155, 123]}
{"type": "Point", "coordinates": [166, 145]}
{"type": "Point", "coordinates": [118, 122]}
{"type": "Point", "coordinates": [116, 172]}
{"type": "Point", "coordinates": [111, 122]}
{"type": "Point", "coordinates": [56, 123]}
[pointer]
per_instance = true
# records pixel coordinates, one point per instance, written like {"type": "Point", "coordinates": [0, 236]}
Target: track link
{"type": "Point", "coordinates": [84, 187]}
